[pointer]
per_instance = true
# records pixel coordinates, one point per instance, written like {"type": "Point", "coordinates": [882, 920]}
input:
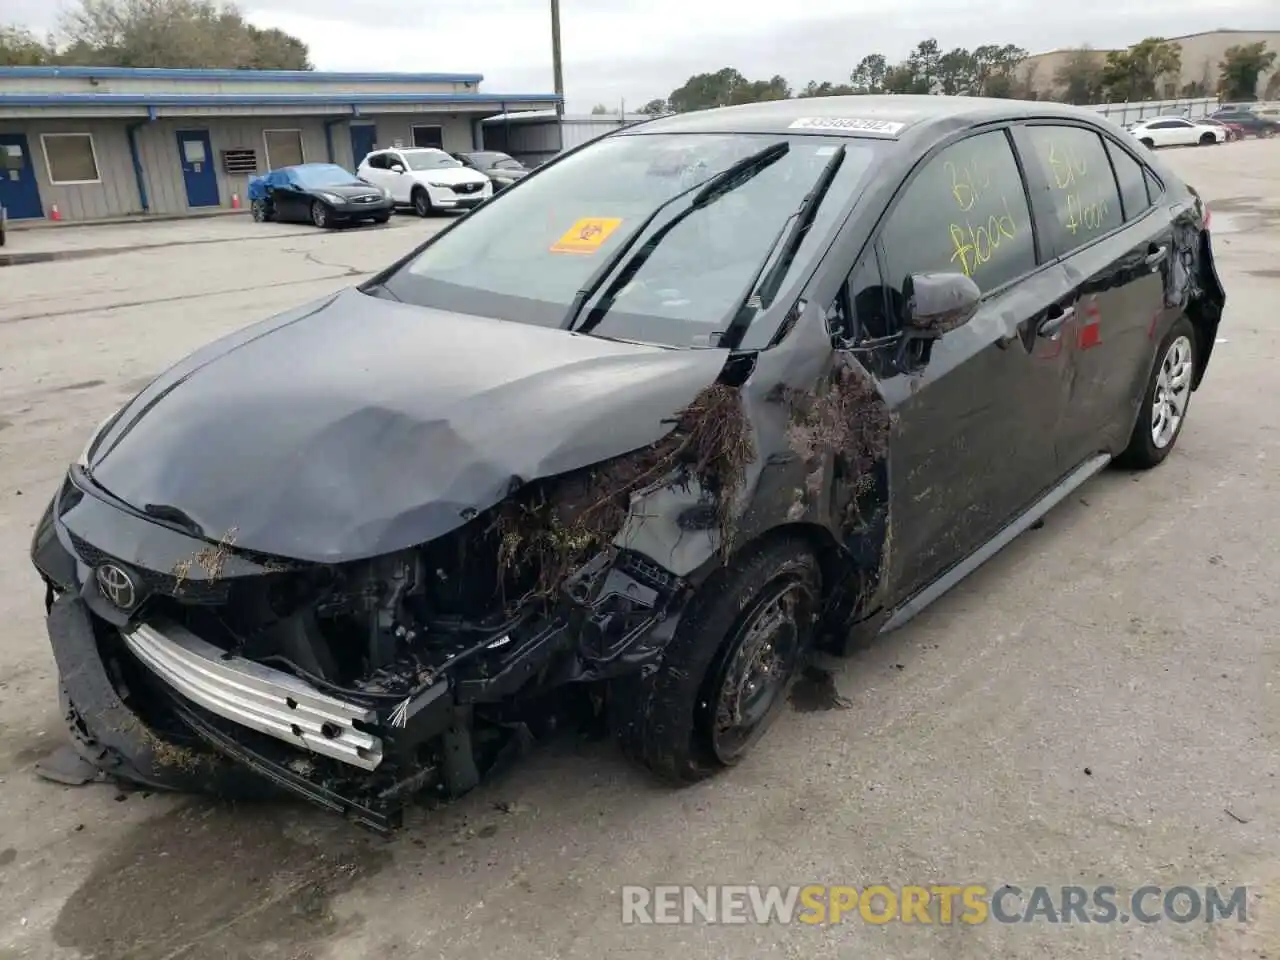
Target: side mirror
{"type": "Point", "coordinates": [937, 303]}
{"type": "Point", "coordinates": [397, 168]}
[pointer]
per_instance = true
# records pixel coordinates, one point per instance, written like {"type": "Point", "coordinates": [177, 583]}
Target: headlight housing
{"type": "Point", "coordinates": [331, 198]}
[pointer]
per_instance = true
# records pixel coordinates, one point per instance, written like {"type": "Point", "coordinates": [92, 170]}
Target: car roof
{"type": "Point", "coordinates": [857, 116]}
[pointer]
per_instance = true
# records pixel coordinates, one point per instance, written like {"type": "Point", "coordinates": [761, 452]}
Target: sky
{"type": "Point", "coordinates": [623, 50]}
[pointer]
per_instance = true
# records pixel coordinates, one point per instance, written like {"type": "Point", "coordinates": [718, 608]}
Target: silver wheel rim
{"type": "Point", "coordinates": [259, 213]}
{"type": "Point", "coordinates": [421, 205]}
{"type": "Point", "coordinates": [319, 215]}
{"type": "Point", "coordinates": [1173, 390]}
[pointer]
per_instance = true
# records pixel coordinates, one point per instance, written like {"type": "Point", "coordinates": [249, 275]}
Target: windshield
{"type": "Point", "coordinates": [321, 175]}
{"type": "Point", "coordinates": [524, 255]}
{"type": "Point", "coordinates": [429, 160]}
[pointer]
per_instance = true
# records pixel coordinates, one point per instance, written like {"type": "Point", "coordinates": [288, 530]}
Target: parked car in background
{"type": "Point", "coordinates": [321, 193]}
{"type": "Point", "coordinates": [426, 179]}
{"type": "Point", "coordinates": [1234, 130]}
{"type": "Point", "coordinates": [1253, 122]}
{"type": "Point", "coordinates": [705, 395]}
{"type": "Point", "coordinates": [501, 169]}
{"type": "Point", "coordinates": [1176, 132]}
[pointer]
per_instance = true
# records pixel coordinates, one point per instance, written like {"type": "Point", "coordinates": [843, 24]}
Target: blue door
{"type": "Point", "coordinates": [364, 136]}
{"type": "Point", "coordinates": [197, 168]}
{"type": "Point", "coordinates": [19, 194]}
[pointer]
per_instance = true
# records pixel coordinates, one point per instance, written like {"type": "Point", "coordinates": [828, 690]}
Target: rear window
{"type": "Point", "coordinates": [525, 255]}
{"type": "Point", "coordinates": [1081, 188]}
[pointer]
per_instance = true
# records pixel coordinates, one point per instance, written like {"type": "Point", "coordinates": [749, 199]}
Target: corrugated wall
{"type": "Point", "coordinates": [115, 195]}
{"type": "Point", "coordinates": [455, 128]}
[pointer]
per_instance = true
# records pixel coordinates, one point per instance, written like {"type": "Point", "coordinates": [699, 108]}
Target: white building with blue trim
{"type": "Point", "coordinates": [102, 142]}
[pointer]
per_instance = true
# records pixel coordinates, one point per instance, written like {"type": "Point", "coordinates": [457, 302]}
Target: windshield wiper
{"type": "Point", "coordinates": [765, 284]}
{"type": "Point", "coordinates": [706, 192]}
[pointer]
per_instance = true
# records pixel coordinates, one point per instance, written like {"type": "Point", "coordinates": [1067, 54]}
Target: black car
{"type": "Point", "coordinates": [321, 193]}
{"type": "Point", "coordinates": [1253, 124]}
{"type": "Point", "coordinates": [501, 169]}
{"type": "Point", "coordinates": [703, 395]}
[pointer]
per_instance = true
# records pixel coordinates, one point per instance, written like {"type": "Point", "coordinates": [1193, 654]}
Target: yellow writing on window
{"type": "Point", "coordinates": [976, 244]}
{"type": "Point", "coordinates": [968, 181]}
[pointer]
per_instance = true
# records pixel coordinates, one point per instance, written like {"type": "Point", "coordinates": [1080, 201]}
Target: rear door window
{"type": "Point", "coordinates": [965, 212]}
{"type": "Point", "coordinates": [1083, 201]}
{"type": "Point", "coordinates": [1132, 179]}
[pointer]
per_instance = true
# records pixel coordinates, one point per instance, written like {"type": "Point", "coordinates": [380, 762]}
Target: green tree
{"type": "Point", "coordinates": [827, 89]}
{"type": "Point", "coordinates": [598, 109]}
{"type": "Point", "coordinates": [724, 88]}
{"type": "Point", "coordinates": [869, 75]}
{"type": "Point", "coordinates": [174, 33]}
{"type": "Point", "coordinates": [1241, 67]}
{"type": "Point", "coordinates": [20, 48]}
{"type": "Point", "coordinates": [958, 73]}
{"type": "Point", "coordinates": [902, 78]}
{"type": "Point", "coordinates": [654, 108]}
{"type": "Point", "coordinates": [925, 62]}
{"type": "Point", "coordinates": [1141, 72]}
{"type": "Point", "coordinates": [1079, 79]}
{"type": "Point", "coordinates": [996, 69]}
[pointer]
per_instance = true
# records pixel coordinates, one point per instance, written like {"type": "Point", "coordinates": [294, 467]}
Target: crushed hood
{"type": "Point", "coordinates": [359, 426]}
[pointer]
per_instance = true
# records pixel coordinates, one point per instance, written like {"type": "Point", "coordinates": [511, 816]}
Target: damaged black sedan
{"type": "Point", "coordinates": [676, 409]}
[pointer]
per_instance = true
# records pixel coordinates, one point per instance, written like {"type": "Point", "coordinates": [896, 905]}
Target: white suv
{"type": "Point", "coordinates": [426, 179]}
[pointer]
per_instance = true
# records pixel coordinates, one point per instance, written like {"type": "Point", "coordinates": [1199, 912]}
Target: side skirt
{"type": "Point", "coordinates": [1007, 535]}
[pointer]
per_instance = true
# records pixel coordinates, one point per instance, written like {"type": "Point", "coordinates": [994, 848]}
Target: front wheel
{"type": "Point", "coordinates": [726, 672]}
{"type": "Point", "coordinates": [382, 217]}
{"type": "Point", "coordinates": [1208, 140]}
{"type": "Point", "coordinates": [1148, 143]}
{"type": "Point", "coordinates": [1164, 405]}
{"type": "Point", "coordinates": [320, 215]}
{"type": "Point", "coordinates": [421, 202]}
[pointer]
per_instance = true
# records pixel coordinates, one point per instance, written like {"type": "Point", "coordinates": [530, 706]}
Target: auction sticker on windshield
{"type": "Point", "coordinates": [587, 235]}
{"type": "Point", "coordinates": [889, 128]}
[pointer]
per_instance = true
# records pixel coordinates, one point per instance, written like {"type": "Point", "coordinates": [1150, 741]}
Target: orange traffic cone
{"type": "Point", "coordinates": [53, 213]}
{"type": "Point", "coordinates": [235, 201]}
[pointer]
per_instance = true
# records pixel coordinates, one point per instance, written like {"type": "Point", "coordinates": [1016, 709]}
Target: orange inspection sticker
{"type": "Point", "coordinates": [587, 235]}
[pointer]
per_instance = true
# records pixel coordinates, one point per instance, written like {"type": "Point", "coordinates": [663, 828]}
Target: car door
{"type": "Point", "coordinates": [972, 445]}
{"type": "Point", "coordinates": [1089, 193]}
{"type": "Point", "coordinates": [291, 201]}
{"type": "Point", "coordinates": [399, 181]}
{"type": "Point", "coordinates": [374, 170]}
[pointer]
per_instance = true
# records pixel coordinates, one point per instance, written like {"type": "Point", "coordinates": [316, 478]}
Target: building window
{"type": "Point", "coordinates": [284, 148]}
{"type": "Point", "coordinates": [70, 158]}
{"type": "Point", "coordinates": [428, 135]}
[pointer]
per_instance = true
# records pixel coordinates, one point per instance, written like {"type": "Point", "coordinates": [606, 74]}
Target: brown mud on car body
{"type": "Point", "coordinates": [353, 550]}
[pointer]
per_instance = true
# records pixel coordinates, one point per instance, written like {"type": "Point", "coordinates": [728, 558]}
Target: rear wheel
{"type": "Point", "coordinates": [725, 673]}
{"type": "Point", "coordinates": [421, 202]}
{"type": "Point", "coordinates": [261, 211]}
{"type": "Point", "coordinates": [1164, 406]}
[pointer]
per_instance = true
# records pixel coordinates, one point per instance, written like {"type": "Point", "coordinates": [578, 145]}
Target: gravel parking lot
{"type": "Point", "coordinates": [1098, 705]}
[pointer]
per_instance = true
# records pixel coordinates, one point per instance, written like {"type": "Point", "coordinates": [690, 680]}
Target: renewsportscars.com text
{"type": "Point", "coordinates": [820, 904]}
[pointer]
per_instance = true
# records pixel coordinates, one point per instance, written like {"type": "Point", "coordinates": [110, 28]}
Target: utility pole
{"type": "Point", "coordinates": [556, 66]}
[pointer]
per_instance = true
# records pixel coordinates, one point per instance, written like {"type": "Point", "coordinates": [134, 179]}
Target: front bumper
{"type": "Point", "coordinates": [447, 198]}
{"type": "Point", "coordinates": [149, 701]}
{"type": "Point", "coordinates": [363, 211]}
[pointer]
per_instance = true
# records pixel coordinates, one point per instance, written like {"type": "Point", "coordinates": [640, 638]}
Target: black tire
{"type": "Point", "coordinates": [1143, 451]}
{"type": "Point", "coordinates": [1208, 140]}
{"type": "Point", "coordinates": [261, 210]}
{"type": "Point", "coordinates": [668, 720]}
{"type": "Point", "coordinates": [321, 216]}
{"type": "Point", "coordinates": [421, 202]}
{"type": "Point", "coordinates": [1148, 143]}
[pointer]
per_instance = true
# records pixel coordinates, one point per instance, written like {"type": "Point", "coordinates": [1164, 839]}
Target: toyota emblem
{"type": "Point", "coordinates": [117, 586]}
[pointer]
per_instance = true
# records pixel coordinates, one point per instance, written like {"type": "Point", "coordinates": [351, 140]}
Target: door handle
{"type": "Point", "coordinates": [1157, 255]}
{"type": "Point", "coordinates": [1053, 324]}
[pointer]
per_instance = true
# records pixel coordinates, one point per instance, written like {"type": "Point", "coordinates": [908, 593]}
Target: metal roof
{"type": "Point", "coordinates": [344, 97]}
{"type": "Point", "coordinates": [244, 76]}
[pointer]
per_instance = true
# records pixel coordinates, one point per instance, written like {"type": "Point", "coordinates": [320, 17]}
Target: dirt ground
{"type": "Point", "coordinates": [1098, 705]}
